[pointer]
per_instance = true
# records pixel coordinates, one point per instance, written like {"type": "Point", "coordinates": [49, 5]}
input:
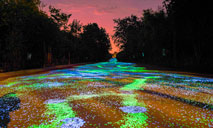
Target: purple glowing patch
{"type": "Point", "coordinates": [72, 122]}
{"type": "Point", "coordinates": [54, 101]}
{"type": "Point", "coordinates": [133, 109]}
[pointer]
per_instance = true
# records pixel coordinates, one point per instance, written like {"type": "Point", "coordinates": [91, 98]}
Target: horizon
{"type": "Point", "coordinates": [102, 12]}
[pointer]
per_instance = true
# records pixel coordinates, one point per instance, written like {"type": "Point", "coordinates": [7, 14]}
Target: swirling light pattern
{"type": "Point", "coordinates": [112, 95]}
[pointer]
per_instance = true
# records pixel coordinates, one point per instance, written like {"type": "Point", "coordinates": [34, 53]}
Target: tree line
{"type": "Point", "coordinates": [177, 35]}
{"type": "Point", "coordinates": [29, 38]}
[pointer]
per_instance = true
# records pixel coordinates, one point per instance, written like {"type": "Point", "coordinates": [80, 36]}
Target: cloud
{"type": "Point", "coordinates": [99, 6]}
{"type": "Point", "coordinates": [108, 9]}
{"type": "Point", "coordinates": [102, 7]}
{"type": "Point", "coordinates": [105, 10]}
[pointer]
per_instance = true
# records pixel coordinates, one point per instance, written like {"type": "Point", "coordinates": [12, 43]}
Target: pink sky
{"type": "Point", "coordinates": [102, 11]}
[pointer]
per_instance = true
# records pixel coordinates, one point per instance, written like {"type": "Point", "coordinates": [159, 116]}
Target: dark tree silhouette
{"type": "Point", "coordinates": [143, 39]}
{"type": "Point", "coordinates": [29, 38]}
{"type": "Point", "coordinates": [95, 43]}
{"type": "Point", "coordinates": [179, 35]}
{"type": "Point", "coordinates": [59, 17]}
{"type": "Point", "coordinates": [74, 36]}
{"type": "Point", "coordinates": [127, 32]}
{"type": "Point", "coordinates": [191, 23]}
{"type": "Point", "coordinates": [15, 16]}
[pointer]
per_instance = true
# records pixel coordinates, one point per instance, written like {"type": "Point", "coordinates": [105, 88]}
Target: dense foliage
{"type": "Point", "coordinates": [177, 35]}
{"type": "Point", "coordinates": [29, 38]}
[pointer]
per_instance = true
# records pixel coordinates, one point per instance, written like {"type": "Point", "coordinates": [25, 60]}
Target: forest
{"type": "Point", "coordinates": [177, 35]}
{"type": "Point", "coordinates": [30, 38]}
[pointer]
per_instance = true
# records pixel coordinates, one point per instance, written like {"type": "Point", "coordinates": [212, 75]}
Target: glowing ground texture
{"type": "Point", "coordinates": [110, 95]}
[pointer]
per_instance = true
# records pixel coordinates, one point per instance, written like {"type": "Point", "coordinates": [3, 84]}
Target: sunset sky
{"type": "Point", "coordinates": [102, 11]}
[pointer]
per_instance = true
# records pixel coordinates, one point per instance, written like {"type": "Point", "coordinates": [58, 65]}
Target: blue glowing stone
{"type": "Point", "coordinates": [54, 101]}
{"type": "Point", "coordinates": [72, 122]}
{"type": "Point", "coordinates": [133, 109]}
